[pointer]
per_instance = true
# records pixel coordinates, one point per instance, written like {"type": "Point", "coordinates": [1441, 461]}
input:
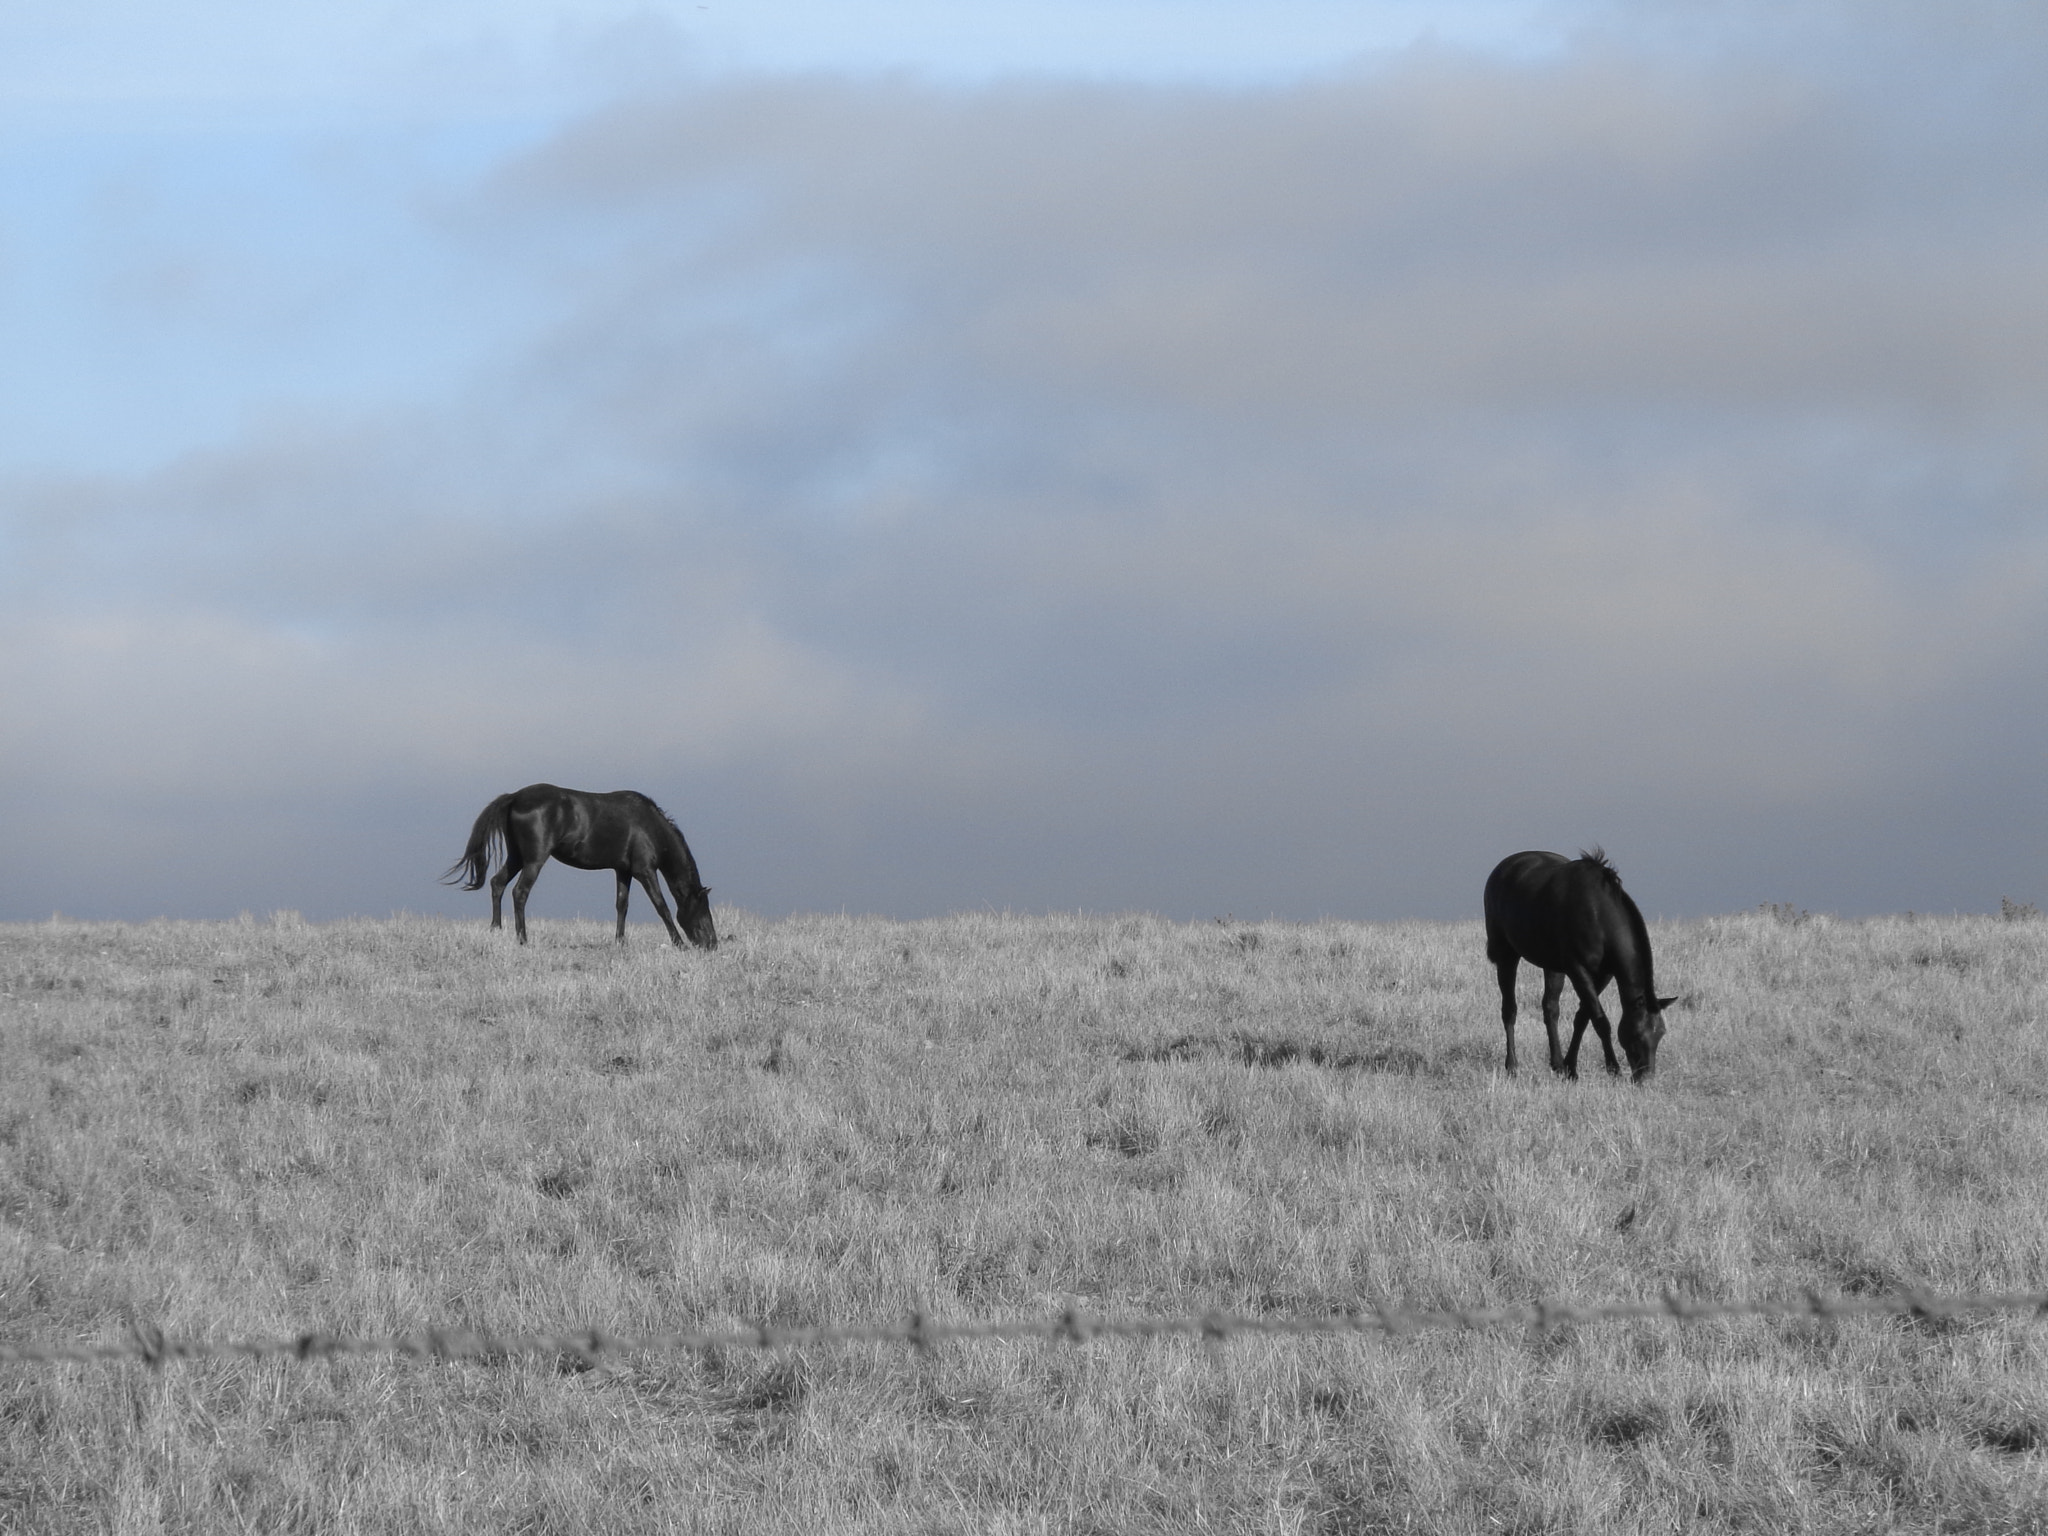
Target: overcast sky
{"type": "Point", "coordinates": [1204, 457]}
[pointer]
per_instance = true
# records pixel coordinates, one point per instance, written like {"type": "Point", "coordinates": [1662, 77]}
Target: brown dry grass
{"type": "Point", "coordinates": [259, 1128]}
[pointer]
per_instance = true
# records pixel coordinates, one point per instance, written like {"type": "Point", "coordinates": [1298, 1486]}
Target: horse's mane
{"type": "Point", "coordinates": [682, 843]}
{"type": "Point", "coordinates": [1597, 857]}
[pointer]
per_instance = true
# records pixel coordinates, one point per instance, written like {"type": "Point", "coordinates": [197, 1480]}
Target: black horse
{"type": "Point", "coordinates": [623, 831]}
{"type": "Point", "coordinates": [1571, 918]}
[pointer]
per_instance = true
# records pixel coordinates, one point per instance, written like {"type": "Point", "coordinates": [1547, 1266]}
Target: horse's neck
{"type": "Point", "coordinates": [1637, 981]}
{"type": "Point", "coordinates": [1640, 988]}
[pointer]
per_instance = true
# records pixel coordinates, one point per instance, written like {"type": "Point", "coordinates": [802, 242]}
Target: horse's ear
{"type": "Point", "coordinates": [1664, 1002]}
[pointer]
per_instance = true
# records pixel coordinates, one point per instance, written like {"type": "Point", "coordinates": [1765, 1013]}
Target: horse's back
{"type": "Point", "coordinates": [1521, 884]}
{"type": "Point", "coordinates": [1552, 911]}
{"type": "Point", "coordinates": [1520, 873]}
{"type": "Point", "coordinates": [592, 829]}
{"type": "Point", "coordinates": [539, 804]}
{"type": "Point", "coordinates": [544, 817]}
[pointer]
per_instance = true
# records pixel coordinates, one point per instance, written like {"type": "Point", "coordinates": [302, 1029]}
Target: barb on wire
{"type": "Point", "coordinates": [145, 1341]}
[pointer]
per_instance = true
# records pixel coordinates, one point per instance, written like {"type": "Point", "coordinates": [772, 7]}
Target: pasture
{"type": "Point", "coordinates": [258, 1128]}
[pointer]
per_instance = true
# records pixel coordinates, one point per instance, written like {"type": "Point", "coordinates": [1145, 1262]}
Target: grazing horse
{"type": "Point", "coordinates": [1570, 918]}
{"type": "Point", "coordinates": [623, 831]}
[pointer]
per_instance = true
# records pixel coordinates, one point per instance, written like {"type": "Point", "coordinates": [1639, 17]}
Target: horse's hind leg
{"type": "Point", "coordinates": [625, 895]}
{"type": "Point", "coordinates": [505, 872]}
{"type": "Point", "coordinates": [1553, 987]}
{"type": "Point", "coordinates": [654, 894]}
{"type": "Point", "coordinates": [1505, 969]}
{"type": "Point", "coordinates": [527, 876]}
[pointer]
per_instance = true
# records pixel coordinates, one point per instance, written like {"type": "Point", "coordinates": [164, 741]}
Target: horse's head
{"type": "Point", "coordinates": [693, 912]}
{"type": "Point", "coordinates": [1640, 1034]}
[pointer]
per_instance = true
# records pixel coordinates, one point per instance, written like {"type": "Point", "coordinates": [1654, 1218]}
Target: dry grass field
{"type": "Point", "coordinates": [260, 1128]}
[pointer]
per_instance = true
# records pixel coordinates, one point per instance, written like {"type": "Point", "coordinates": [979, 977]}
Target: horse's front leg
{"type": "Point", "coordinates": [625, 895]}
{"type": "Point", "coordinates": [1591, 1012]}
{"type": "Point", "coordinates": [1600, 1028]}
{"type": "Point", "coordinates": [667, 919]}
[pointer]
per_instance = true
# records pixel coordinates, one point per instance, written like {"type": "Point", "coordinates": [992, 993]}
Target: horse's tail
{"type": "Point", "coordinates": [475, 862]}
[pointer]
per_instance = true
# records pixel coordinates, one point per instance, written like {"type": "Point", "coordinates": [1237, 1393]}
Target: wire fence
{"type": "Point", "coordinates": [1073, 1326]}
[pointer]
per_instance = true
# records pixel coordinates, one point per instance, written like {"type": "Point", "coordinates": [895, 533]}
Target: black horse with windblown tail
{"type": "Point", "coordinates": [1572, 920]}
{"type": "Point", "coordinates": [622, 831]}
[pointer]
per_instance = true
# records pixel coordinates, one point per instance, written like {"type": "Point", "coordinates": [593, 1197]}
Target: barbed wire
{"type": "Point", "coordinates": [1074, 1326]}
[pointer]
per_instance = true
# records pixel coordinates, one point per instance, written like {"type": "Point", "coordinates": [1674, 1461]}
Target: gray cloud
{"type": "Point", "coordinates": [1270, 500]}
